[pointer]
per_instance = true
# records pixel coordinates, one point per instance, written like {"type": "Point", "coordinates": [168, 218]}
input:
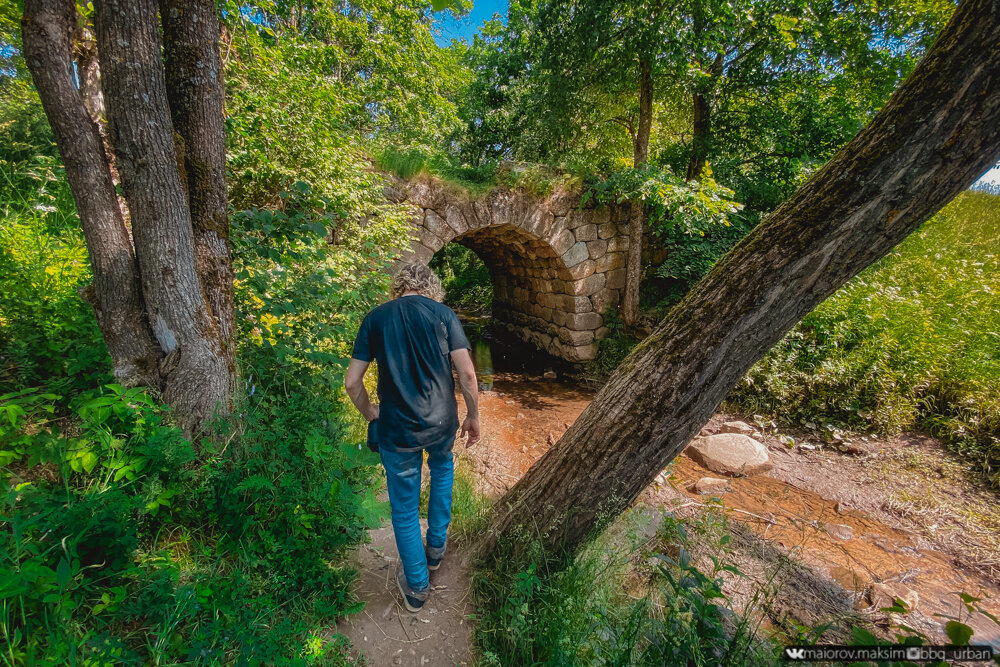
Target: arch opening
{"type": "Point", "coordinates": [555, 267]}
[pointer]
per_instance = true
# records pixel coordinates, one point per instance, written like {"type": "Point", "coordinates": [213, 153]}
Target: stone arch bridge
{"type": "Point", "coordinates": [556, 267]}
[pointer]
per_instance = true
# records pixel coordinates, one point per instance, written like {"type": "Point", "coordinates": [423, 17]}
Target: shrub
{"type": "Point", "coordinates": [910, 343]}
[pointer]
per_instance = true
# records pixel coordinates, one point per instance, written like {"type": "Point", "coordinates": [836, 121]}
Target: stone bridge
{"type": "Point", "coordinates": [556, 268]}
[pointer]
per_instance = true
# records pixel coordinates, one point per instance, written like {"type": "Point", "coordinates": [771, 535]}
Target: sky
{"type": "Point", "coordinates": [992, 176]}
{"type": "Point", "coordinates": [451, 28]}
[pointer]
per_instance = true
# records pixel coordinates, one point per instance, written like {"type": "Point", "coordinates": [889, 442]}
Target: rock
{"type": "Point", "coordinates": [550, 440]}
{"type": "Point", "coordinates": [737, 427]}
{"type": "Point", "coordinates": [730, 454]}
{"type": "Point", "coordinates": [520, 415]}
{"type": "Point", "coordinates": [710, 485]}
{"type": "Point", "coordinates": [854, 448]}
{"type": "Point", "coordinates": [838, 531]}
{"type": "Point", "coordinates": [524, 449]}
{"type": "Point", "coordinates": [884, 595]}
{"type": "Point", "coordinates": [549, 375]}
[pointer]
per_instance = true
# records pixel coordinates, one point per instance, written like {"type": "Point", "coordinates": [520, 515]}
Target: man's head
{"type": "Point", "coordinates": [416, 278]}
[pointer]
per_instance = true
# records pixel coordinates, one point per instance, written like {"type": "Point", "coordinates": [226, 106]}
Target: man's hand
{"type": "Point", "coordinates": [373, 412]}
{"type": "Point", "coordinates": [470, 427]}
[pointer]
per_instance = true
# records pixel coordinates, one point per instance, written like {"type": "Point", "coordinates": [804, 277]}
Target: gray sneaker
{"type": "Point", "coordinates": [412, 600]}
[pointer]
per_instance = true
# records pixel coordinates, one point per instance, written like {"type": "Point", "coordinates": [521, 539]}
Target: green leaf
{"type": "Point", "coordinates": [958, 633]}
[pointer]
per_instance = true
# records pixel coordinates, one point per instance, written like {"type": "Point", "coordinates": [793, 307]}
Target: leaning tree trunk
{"type": "Point", "coordinates": [115, 295]}
{"type": "Point", "coordinates": [934, 137]}
{"type": "Point", "coordinates": [198, 377]}
{"type": "Point", "coordinates": [196, 94]}
{"type": "Point", "coordinates": [633, 258]}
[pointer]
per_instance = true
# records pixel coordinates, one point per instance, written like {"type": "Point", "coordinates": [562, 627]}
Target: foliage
{"type": "Point", "coordinates": [597, 609]}
{"type": "Point", "coordinates": [466, 280]}
{"type": "Point", "coordinates": [126, 543]}
{"type": "Point", "coordinates": [911, 342]}
{"type": "Point", "coordinates": [48, 334]}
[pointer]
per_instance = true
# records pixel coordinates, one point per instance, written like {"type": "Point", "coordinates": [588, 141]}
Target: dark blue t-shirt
{"type": "Point", "coordinates": [412, 338]}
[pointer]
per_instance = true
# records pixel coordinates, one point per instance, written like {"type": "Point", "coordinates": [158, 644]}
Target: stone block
{"type": "Point", "coordinates": [580, 353]}
{"type": "Point", "coordinates": [562, 242]}
{"type": "Point", "coordinates": [616, 278]}
{"type": "Point", "coordinates": [606, 230]}
{"type": "Point", "coordinates": [540, 223]}
{"type": "Point", "coordinates": [586, 233]}
{"type": "Point", "coordinates": [424, 195]}
{"type": "Point", "coordinates": [577, 218]}
{"type": "Point", "coordinates": [456, 220]}
{"type": "Point", "coordinates": [589, 285]}
{"type": "Point", "coordinates": [601, 215]}
{"type": "Point", "coordinates": [429, 239]}
{"type": "Point", "coordinates": [482, 215]}
{"type": "Point", "coordinates": [603, 332]}
{"type": "Point", "coordinates": [584, 321]}
{"type": "Point", "coordinates": [610, 261]}
{"type": "Point", "coordinates": [582, 270]}
{"type": "Point", "coordinates": [437, 225]}
{"type": "Point", "coordinates": [606, 298]}
{"type": "Point", "coordinates": [575, 254]}
{"type": "Point", "coordinates": [597, 249]}
{"type": "Point", "coordinates": [575, 338]}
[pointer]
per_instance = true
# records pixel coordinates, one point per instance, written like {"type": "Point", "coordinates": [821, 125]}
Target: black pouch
{"type": "Point", "coordinates": [373, 435]}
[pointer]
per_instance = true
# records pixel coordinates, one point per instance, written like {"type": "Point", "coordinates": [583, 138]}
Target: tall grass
{"type": "Point", "coordinates": [912, 342]}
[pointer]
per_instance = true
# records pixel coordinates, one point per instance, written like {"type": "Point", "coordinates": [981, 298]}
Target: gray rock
{"type": "Point", "coordinates": [730, 454]}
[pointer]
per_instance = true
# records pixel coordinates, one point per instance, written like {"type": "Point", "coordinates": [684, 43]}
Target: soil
{"type": "Point", "coordinates": [835, 531]}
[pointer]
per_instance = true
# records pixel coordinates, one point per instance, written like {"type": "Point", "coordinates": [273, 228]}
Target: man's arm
{"type": "Point", "coordinates": [354, 382]}
{"type": "Point", "coordinates": [470, 391]}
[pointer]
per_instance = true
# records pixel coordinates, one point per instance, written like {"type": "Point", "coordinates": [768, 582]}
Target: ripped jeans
{"type": "Point", "coordinates": [402, 472]}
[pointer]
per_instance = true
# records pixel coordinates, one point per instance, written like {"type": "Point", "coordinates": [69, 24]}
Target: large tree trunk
{"type": "Point", "coordinates": [47, 28]}
{"type": "Point", "coordinates": [640, 147]}
{"type": "Point", "coordinates": [934, 137]}
{"type": "Point", "coordinates": [196, 95]}
{"type": "Point", "coordinates": [198, 377]}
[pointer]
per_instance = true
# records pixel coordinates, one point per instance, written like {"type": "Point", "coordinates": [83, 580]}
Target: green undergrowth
{"type": "Point", "coordinates": [635, 596]}
{"type": "Point", "coordinates": [465, 278]}
{"type": "Point", "coordinates": [912, 342]}
{"type": "Point", "coordinates": [124, 542]}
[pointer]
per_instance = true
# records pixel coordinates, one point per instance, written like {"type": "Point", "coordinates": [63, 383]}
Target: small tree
{"type": "Point", "coordinates": [937, 134]}
{"type": "Point", "coordinates": [162, 290]}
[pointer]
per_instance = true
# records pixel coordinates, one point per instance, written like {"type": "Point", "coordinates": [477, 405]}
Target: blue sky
{"type": "Point", "coordinates": [451, 28]}
{"type": "Point", "coordinates": [992, 176]}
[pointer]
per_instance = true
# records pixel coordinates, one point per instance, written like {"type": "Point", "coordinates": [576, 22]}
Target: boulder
{"type": "Point", "coordinates": [730, 454]}
{"type": "Point", "coordinates": [710, 485]}
{"type": "Point", "coordinates": [884, 594]}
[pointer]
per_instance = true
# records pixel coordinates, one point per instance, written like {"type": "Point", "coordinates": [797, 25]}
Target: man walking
{"type": "Point", "coordinates": [414, 338]}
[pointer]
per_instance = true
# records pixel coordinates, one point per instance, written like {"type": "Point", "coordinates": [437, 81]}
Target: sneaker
{"type": "Point", "coordinates": [412, 600]}
{"type": "Point", "coordinates": [433, 563]}
{"type": "Point", "coordinates": [434, 557]}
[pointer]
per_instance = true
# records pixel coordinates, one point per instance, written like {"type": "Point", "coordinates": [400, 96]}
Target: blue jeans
{"type": "Point", "coordinates": [402, 473]}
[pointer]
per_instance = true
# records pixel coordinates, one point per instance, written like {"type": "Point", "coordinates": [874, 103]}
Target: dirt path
{"type": "Point", "coordinates": [386, 634]}
{"type": "Point", "coordinates": [834, 533]}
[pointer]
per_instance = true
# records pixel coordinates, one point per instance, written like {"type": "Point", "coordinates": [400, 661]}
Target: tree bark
{"type": "Point", "coordinates": [701, 128]}
{"type": "Point", "coordinates": [935, 136]}
{"type": "Point", "coordinates": [198, 377]}
{"type": "Point", "coordinates": [640, 146]}
{"type": "Point", "coordinates": [196, 95]}
{"type": "Point", "coordinates": [47, 28]}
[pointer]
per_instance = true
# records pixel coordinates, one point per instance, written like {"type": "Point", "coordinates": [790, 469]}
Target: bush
{"type": "Point", "coordinates": [466, 280]}
{"type": "Point", "coordinates": [910, 343]}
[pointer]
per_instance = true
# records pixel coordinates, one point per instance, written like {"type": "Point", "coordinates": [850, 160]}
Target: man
{"type": "Point", "coordinates": [412, 337]}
